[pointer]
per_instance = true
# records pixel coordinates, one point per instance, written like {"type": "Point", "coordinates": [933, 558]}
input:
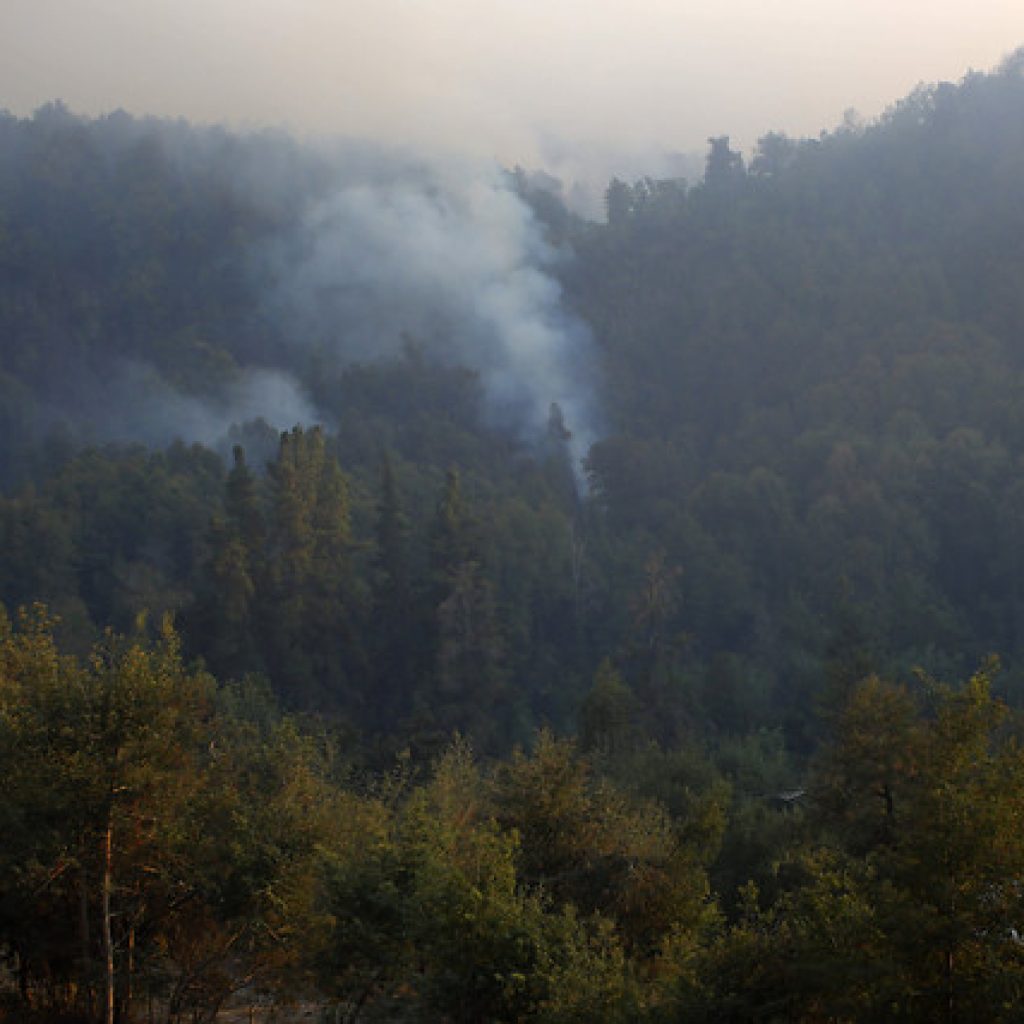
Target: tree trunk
{"type": "Point", "coordinates": [23, 984]}
{"type": "Point", "coordinates": [950, 995]}
{"type": "Point", "coordinates": [85, 953]}
{"type": "Point", "coordinates": [126, 1007]}
{"type": "Point", "coordinates": [108, 942]}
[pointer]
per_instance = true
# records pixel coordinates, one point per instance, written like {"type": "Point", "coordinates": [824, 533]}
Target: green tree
{"type": "Point", "coordinates": [608, 715]}
{"type": "Point", "coordinates": [467, 677]}
{"type": "Point", "coordinates": [724, 166]}
{"type": "Point", "coordinates": [909, 909]}
{"type": "Point", "coordinates": [586, 843]}
{"type": "Point", "coordinates": [309, 604]}
{"type": "Point", "coordinates": [115, 743]}
{"type": "Point", "coordinates": [398, 627]}
{"type": "Point", "coordinates": [244, 912]}
{"type": "Point", "coordinates": [428, 920]}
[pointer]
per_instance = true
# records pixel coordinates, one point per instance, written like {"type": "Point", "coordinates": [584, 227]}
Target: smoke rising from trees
{"type": "Point", "coordinates": [453, 262]}
{"type": "Point", "coordinates": [216, 277]}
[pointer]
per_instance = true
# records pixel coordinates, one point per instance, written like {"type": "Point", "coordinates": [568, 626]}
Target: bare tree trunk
{"type": "Point", "coordinates": [950, 995]}
{"type": "Point", "coordinates": [108, 942]}
{"type": "Point", "coordinates": [129, 976]}
{"type": "Point", "coordinates": [83, 938]}
{"type": "Point", "coordinates": [23, 986]}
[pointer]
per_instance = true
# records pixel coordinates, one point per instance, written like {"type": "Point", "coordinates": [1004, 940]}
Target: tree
{"type": "Point", "coordinates": [655, 646]}
{"type": "Point", "coordinates": [775, 152]}
{"type": "Point", "coordinates": [116, 742]}
{"type": "Point", "coordinates": [245, 912]}
{"type": "Point", "coordinates": [724, 166]}
{"type": "Point", "coordinates": [308, 607]}
{"type": "Point", "coordinates": [244, 511]}
{"type": "Point", "coordinates": [467, 678]}
{"type": "Point", "coordinates": [910, 909]}
{"type": "Point", "coordinates": [618, 203]}
{"type": "Point", "coordinates": [452, 537]}
{"type": "Point", "coordinates": [429, 920]}
{"type": "Point", "coordinates": [469, 654]}
{"type": "Point", "coordinates": [608, 715]}
{"type": "Point", "coordinates": [163, 838]}
{"type": "Point", "coordinates": [586, 843]}
{"type": "Point", "coordinates": [398, 633]}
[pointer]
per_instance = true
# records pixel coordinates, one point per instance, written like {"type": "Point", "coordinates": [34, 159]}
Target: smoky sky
{"type": "Point", "coordinates": [512, 80]}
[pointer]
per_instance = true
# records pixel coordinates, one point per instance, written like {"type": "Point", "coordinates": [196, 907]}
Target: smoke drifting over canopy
{"type": "Point", "coordinates": [280, 266]}
{"type": "Point", "coordinates": [452, 258]}
{"type": "Point", "coordinates": [454, 262]}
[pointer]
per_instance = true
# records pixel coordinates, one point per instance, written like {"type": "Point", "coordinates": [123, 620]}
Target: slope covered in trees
{"type": "Point", "coordinates": [803, 508]}
{"type": "Point", "coordinates": [807, 468]}
{"type": "Point", "coordinates": [817, 365]}
{"type": "Point", "coordinates": [174, 846]}
{"type": "Point", "coordinates": [809, 454]}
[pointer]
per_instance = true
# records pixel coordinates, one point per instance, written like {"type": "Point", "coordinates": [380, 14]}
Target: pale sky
{"type": "Point", "coordinates": [499, 78]}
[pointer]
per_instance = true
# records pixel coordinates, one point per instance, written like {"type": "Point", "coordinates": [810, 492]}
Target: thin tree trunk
{"type": "Point", "coordinates": [108, 942]}
{"type": "Point", "coordinates": [129, 976]}
{"type": "Point", "coordinates": [950, 996]}
{"type": "Point", "coordinates": [23, 985]}
{"type": "Point", "coordinates": [83, 938]}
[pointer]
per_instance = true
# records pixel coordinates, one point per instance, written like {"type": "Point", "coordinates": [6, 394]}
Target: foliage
{"type": "Point", "coordinates": [805, 508]}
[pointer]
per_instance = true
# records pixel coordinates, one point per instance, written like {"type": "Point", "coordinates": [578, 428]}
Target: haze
{"type": "Point", "coordinates": [534, 81]}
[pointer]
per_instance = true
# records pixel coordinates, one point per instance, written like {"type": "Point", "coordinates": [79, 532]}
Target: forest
{"type": "Point", "coordinates": [425, 603]}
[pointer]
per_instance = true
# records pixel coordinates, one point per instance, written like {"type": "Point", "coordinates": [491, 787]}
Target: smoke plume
{"type": "Point", "coordinates": [453, 259]}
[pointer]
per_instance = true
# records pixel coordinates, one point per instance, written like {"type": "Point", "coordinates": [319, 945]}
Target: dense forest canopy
{"type": "Point", "coordinates": [801, 376]}
{"type": "Point", "coordinates": [718, 487]}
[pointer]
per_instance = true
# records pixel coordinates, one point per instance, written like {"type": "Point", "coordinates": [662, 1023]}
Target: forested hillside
{"type": "Point", "coordinates": [642, 512]}
{"type": "Point", "coordinates": [817, 366]}
{"type": "Point", "coordinates": [805, 373]}
{"type": "Point", "coordinates": [174, 847]}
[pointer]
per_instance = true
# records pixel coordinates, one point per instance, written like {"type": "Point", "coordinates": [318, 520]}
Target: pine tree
{"type": "Point", "coordinates": [244, 511]}
{"type": "Point", "coordinates": [467, 665]}
{"type": "Point", "coordinates": [307, 606]}
{"type": "Point", "coordinates": [398, 632]}
{"type": "Point", "coordinates": [224, 622]}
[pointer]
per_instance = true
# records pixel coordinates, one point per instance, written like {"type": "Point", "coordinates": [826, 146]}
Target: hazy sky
{"type": "Point", "coordinates": [521, 80]}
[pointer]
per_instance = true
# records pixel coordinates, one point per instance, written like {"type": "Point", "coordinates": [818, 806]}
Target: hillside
{"type": "Point", "coordinates": [802, 383]}
{"type": "Point", "coordinates": [425, 603]}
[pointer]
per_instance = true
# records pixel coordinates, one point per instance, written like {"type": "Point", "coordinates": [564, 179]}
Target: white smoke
{"type": "Point", "coordinates": [582, 170]}
{"type": "Point", "coordinates": [454, 260]}
{"type": "Point", "coordinates": [141, 405]}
